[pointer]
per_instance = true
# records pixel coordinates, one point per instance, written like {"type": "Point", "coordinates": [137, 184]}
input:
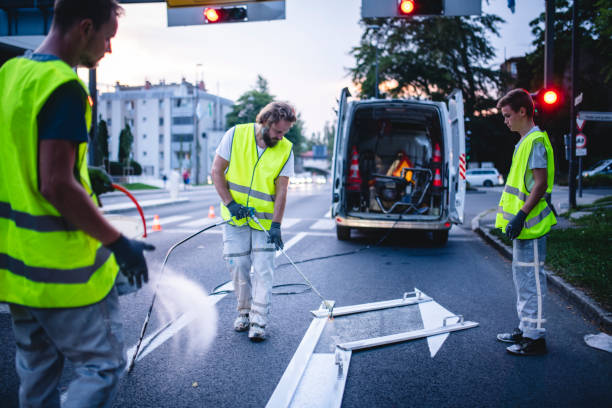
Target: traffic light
{"type": "Point", "coordinates": [225, 14]}
{"type": "Point", "coordinates": [547, 100]}
{"type": "Point", "coordinates": [408, 8]}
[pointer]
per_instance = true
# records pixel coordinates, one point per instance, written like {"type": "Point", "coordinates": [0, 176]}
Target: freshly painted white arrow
{"type": "Point", "coordinates": [433, 314]}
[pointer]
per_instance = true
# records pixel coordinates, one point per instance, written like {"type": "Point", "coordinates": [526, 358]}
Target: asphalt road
{"type": "Point", "coordinates": [466, 277]}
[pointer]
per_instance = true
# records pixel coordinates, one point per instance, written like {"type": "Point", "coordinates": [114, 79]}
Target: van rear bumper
{"type": "Point", "coordinates": [385, 224]}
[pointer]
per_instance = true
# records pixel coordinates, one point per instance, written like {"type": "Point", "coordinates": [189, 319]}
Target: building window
{"type": "Point", "coordinates": [161, 155]}
{"type": "Point", "coordinates": [177, 102]}
{"type": "Point", "coordinates": [109, 122]}
{"type": "Point", "coordinates": [161, 139]}
{"type": "Point", "coordinates": [144, 118]}
{"type": "Point", "coordinates": [182, 120]}
{"type": "Point", "coordinates": [182, 138]}
{"type": "Point", "coordinates": [144, 101]}
{"type": "Point", "coordinates": [144, 153]}
{"type": "Point", "coordinates": [144, 135]}
{"type": "Point", "coordinates": [513, 69]}
{"type": "Point", "coordinates": [161, 121]}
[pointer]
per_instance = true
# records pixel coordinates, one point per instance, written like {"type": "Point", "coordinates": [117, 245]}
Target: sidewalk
{"type": "Point", "coordinates": [485, 221]}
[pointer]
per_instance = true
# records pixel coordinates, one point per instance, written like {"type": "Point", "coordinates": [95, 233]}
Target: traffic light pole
{"type": "Point", "coordinates": [572, 142]}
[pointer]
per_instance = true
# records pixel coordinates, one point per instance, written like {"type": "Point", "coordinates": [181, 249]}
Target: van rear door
{"type": "Point", "coordinates": [339, 155]}
{"type": "Point", "coordinates": [457, 164]}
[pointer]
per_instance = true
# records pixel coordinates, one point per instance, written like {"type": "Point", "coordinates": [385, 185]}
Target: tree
{"type": "Point", "coordinates": [429, 57]}
{"type": "Point", "coordinates": [126, 138]}
{"type": "Point", "coordinates": [251, 102]}
{"type": "Point", "coordinates": [102, 152]}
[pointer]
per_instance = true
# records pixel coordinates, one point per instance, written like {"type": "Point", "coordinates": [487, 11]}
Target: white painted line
{"type": "Point", "coordinates": [290, 222]}
{"type": "Point", "coordinates": [169, 220]}
{"type": "Point", "coordinates": [327, 214]}
{"type": "Point", "coordinates": [323, 225]}
{"type": "Point", "coordinates": [433, 315]}
{"type": "Point", "coordinates": [291, 242]}
{"type": "Point", "coordinates": [200, 222]}
{"type": "Point", "coordinates": [191, 231]}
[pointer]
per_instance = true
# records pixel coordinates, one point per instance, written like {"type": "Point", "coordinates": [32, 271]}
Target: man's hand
{"type": "Point", "coordinates": [129, 256]}
{"type": "Point", "coordinates": [238, 210]}
{"type": "Point", "coordinates": [514, 227]}
{"type": "Point", "coordinates": [275, 236]}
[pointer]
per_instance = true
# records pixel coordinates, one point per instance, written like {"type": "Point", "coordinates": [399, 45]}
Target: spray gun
{"type": "Point", "coordinates": [326, 304]}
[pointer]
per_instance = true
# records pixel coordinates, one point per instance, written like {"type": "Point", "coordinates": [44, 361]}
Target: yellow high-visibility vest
{"type": "Point", "coordinates": [251, 177]}
{"type": "Point", "coordinates": [541, 218]}
{"type": "Point", "coordinates": [45, 261]}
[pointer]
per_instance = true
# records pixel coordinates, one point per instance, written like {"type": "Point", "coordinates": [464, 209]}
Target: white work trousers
{"type": "Point", "coordinates": [91, 337]}
{"type": "Point", "coordinates": [528, 257]}
{"type": "Point", "coordinates": [244, 247]}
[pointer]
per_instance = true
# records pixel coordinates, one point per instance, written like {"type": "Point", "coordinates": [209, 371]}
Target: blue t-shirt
{"type": "Point", "coordinates": [63, 114]}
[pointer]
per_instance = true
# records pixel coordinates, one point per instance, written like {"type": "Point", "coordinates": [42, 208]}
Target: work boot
{"type": "Point", "coordinates": [241, 323]}
{"type": "Point", "coordinates": [528, 347]}
{"type": "Point", "coordinates": [257, 332]}
{"type": "Point", "coordinates": [514, 337]}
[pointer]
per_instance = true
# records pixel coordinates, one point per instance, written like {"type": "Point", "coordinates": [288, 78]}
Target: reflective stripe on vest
{"type": "Point", "coordinates": [45, 261]}
{"type": "Point", "coordinates": [541, 218]}
{"type": "Point", "coordinates": [251, 178]}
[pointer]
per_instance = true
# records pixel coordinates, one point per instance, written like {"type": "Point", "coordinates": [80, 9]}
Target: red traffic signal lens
{"type": "Point", "coordinates": [211, 15]}
{"type": "Point", "coordinates": [406, 6]}
{"type": "Point", "coordinates": [550, 97]}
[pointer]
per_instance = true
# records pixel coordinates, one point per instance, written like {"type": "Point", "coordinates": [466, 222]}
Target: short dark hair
{"type": "Point", "coordinates": [68, 12]}
{"type": "Point", "coordinates": [517, 99]}
{"type": "Point", "coordinates": [274, 112]}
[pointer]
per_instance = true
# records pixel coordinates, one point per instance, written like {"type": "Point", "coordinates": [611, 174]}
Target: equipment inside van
{"type": "Point", "coordinates": [399, 164]}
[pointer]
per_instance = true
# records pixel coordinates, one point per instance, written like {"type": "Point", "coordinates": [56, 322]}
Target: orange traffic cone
{"type": "Point", "coordinates": [211, 212]}
{"type": "Point", "coordinates": [156, 224]}
{"type": "Point", "coordinates": [437, 181]}
{"type": "Point", "coordinates": [437, 154]}
{"type": "Point", "coordinates": [354, 179]}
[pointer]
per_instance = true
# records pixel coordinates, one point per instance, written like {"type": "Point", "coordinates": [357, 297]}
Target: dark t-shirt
{"type": "Point", "coordinates": [63, 115]}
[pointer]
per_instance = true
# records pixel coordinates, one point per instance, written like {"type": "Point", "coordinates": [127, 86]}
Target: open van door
{"type": "Point", "coordinates": [339, 155]}
{"type": "Point", "coordinates": [457, 164]}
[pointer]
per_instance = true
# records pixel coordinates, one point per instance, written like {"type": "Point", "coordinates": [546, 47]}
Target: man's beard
{"type": "Point", "coordinates": [267, 139]}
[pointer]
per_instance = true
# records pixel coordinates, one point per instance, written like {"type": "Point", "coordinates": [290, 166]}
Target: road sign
{"type": "Point", "coordinates": [595, 116]}
{"type": "Point", "coordinates": [581, 140]}
{"type": "Point", "coordinates": [578, 100]}
{"type": "Point", "coordinates": [580, 124]}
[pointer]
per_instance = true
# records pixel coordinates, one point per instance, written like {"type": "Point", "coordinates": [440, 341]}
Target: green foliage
{"type": "Point", "coordinates": [139, 186]}
{"type": "Point", "coordinates": [429, 57]}
{"type": "Point", "coordinates": [102, 143]}
{"type": "Point", "coordinates": [326, 138]}
{"type": "Point", "coordinates": [251, 102]}
{"type": "Point", "coordinates": [126, 138]}
{"type": "Point", "coordinates": [598, 180]}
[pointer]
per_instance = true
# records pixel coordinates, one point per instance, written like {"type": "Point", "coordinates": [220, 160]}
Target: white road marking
{"type": "Point", "coordinates": [325, 224]}
{"type": "Point", "coordinates": [169, 220]}
{"type": "Point", "coordinates": [291, 243]}
{"type": "Point", "coordinates": [200, 222]}
{"type": "Point", "coordinates": [290, 222]}
{"type": "Point", "coordinates": [433, 315]}
{"type": "Point", "coordinates": [327, 214]}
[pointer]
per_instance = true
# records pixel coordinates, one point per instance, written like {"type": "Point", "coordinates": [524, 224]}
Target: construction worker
{"type": "Point", "coordinates": [251, 172]}
{"type": "Point", "coordinates": [59, 257]}
{"type": "Point", "coordinates": [525, 215]}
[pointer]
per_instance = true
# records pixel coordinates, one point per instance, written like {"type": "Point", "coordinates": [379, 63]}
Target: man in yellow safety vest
{"type": "Point", "coordinates": [59, 257]}
{"type": "Point", "coordinates": [525, 215]}
{"type": "Point", "coordinates": [251, 173]}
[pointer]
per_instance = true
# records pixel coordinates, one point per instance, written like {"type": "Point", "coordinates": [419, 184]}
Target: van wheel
{"type": "Point", "coordinates": [343, 233]}
{"type": "Point", "coordinates": [439, 238]}
{"type": "Point", "coordinates": [488, 183]}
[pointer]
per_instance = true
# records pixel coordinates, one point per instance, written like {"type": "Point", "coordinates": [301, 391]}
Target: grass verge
{"type": "Point", "coordinates": [582, 255]}
{"type": "Point", "coordinates": [139, 186]}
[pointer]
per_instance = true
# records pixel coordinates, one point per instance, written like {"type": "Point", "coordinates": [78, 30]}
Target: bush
{"type": "Point", "coordinates": [116, 168]}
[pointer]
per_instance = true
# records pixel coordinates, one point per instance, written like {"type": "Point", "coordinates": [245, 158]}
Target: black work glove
{"type": "Point", "coordinates": [100, 180]}
{"type": "Point", "coordinates": [238, 210]}
{"type": "Point", "coordinates": [514, 227]}
{"type": "Point", "coordinates": [274, 235]}
{"type": "Point", "coordinates": [129, 256]}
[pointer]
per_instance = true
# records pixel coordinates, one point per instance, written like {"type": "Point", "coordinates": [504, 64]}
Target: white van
{"type": "Point", "coordinates": [399, 164]}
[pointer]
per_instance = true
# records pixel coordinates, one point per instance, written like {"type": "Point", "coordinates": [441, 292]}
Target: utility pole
{"type": "Point", "coordinates": [572, 142]}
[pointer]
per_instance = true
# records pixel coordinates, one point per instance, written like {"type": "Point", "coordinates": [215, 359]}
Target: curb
{"type": "Point", "coordinates": [589, 308]}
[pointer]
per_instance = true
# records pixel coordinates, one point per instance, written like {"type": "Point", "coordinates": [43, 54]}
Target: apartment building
{"type": "Point", "coordinates": [175, 126]}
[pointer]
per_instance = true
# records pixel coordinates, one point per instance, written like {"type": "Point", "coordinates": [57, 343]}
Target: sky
{"type": "Point", "coordinates": [305, 57]}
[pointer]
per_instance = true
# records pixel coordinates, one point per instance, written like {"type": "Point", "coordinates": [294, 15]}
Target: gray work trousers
{"type": "Point", "coordinates": [243, 248]}
{"type": "Point", "coordinates": [90, 337]}
{"type": "Point", "coordinates": [528, 257]}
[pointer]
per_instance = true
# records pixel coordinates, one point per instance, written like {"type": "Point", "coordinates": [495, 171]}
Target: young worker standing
{"type": "Point", "coordinates": [251, 169]}
{"type": "Point", "coordinates": [526, 215]}
{"type": "Point", "coordinates": [57, 269]}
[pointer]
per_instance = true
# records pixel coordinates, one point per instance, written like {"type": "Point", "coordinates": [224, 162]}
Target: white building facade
{"type": "Point", "coordinates": [175, 126]}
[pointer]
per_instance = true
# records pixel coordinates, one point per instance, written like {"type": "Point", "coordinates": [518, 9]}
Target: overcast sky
{"type": "Point", "coordinates": [304, 57]}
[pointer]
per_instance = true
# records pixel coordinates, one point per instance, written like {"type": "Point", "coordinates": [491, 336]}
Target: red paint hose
{"type": "Point", "coordinates": [127, 193]}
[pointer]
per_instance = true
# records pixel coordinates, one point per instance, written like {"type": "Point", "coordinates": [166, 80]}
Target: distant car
{"type": "Point", "coordinates": [487, 177]}
{"type": "Point", "coordinates": [601, 167]}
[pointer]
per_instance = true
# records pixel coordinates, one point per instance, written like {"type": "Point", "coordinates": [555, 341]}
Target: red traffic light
{"type": "Point", "coordinates": [550, 97]}
{"type": "Point", "coordinates": [406, 6]}
{"type": "Point", "coordinates": [211, 15]}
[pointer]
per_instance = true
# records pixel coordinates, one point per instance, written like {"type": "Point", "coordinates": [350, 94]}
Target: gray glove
{"type": "Point", "coordinates": [274, 236]}
{"type": "Point", "coordinates": [129, 256]}
{"type": "Point", "coordinates": [238, 210]}
{"type": "Point", "coordinates": [515, 226]}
